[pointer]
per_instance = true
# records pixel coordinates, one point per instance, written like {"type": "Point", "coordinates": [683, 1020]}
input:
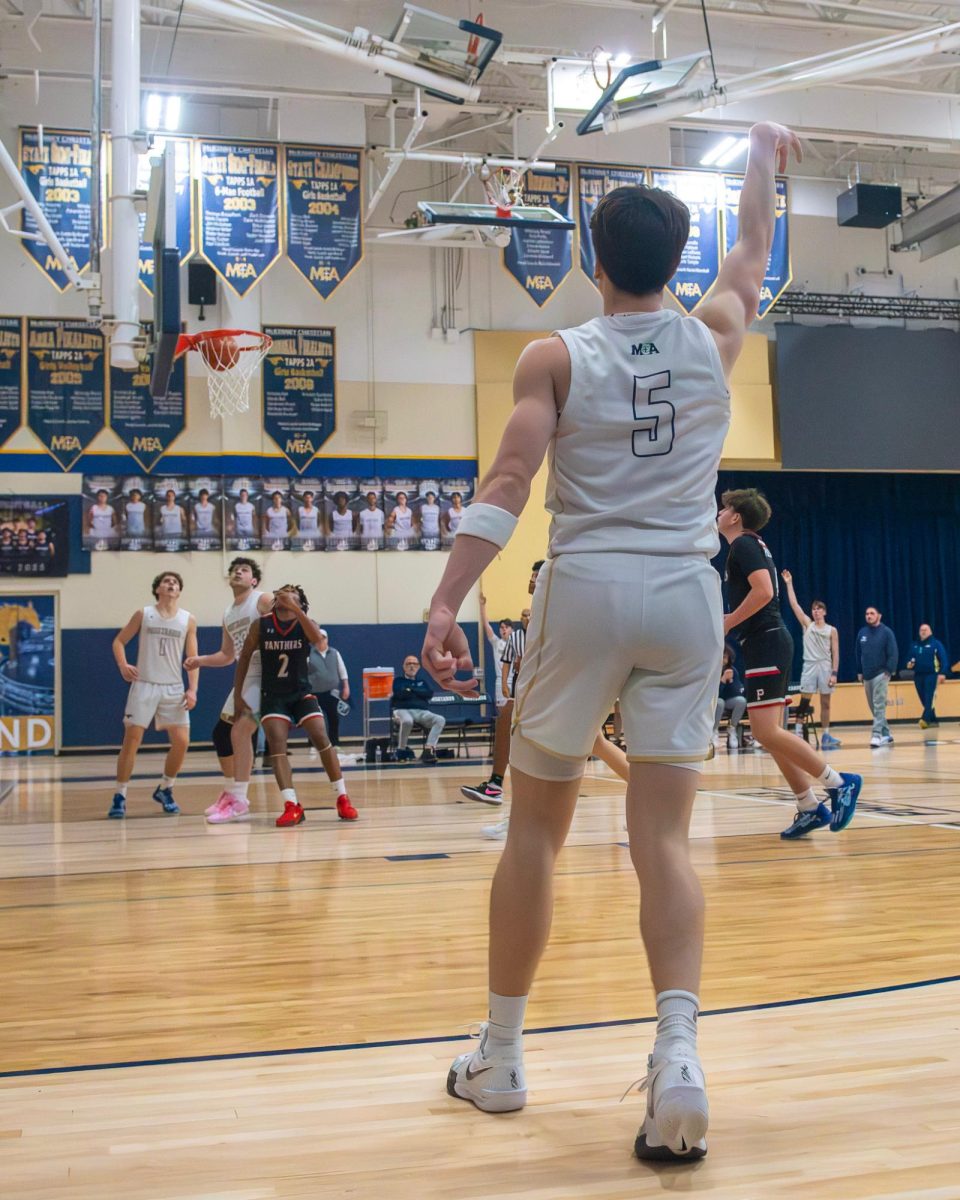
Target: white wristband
{"type": "Point", "coordinates": [488, 522]}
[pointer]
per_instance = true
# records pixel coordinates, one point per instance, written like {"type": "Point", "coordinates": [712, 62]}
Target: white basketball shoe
{"type": "Point", "coordinates": [675, 1127]}
{"type": "Point", "coordinates": [492, 1080]}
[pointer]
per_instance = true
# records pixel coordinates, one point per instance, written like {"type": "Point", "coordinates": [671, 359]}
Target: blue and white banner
{"type": "Point", "coordinates": [148, 427]}
{"type": "Point", "coordinates": [700, 261]}
{"type": "Point", "coordinates": [299, 391]}
{"type": "Point", "coordinates": [59, 174]}
{"type": "Point", "coordinates": [29, 647]}
{"type": "Point", "coordinates": [779, 268]}
{"type": "Point", "coordinates": [66, 386]}
{"type": "Point", "coordinates": [183, 151]}
{"type": "Point", "coordinates": [323, 235]}
{"type": "Point", "coordinates": [540, 259]}
{"type": "Point", "coordinates": [593, 183]}
{"type": "Point", "coordinates": [11, 377]}
{"type": "Point", "coordinates": [239, 211]}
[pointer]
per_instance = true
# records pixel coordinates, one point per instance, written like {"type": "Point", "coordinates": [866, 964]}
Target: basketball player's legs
{"type": "Point", "coordinates": [501, 742]}
{"type": "Point", "coordinates": [277, 730]}
{"type": "Point", "coordinates": [132, 737]}
{"type": "Point", "coordinates": [179, 736]}
{"type": "Point", "coordinates": [315, 727]}
{"type": "Point", "coordinates": [610, 753]}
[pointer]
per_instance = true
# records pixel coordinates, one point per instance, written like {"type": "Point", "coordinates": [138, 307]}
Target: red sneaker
{"type": "Point", "coordinates": [292, 814]}
{"type": "Point", "coordinates": [345, 810]}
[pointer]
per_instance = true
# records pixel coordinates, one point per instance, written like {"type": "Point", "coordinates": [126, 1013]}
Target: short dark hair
{"type": "Point", "coordinates": [155, 586]}
{"type": "Point", "coordinates": [204, 492]}
{"type": "Point", "coordinates": [507, 621]}
{"type": "Point", "coordinates": [247, 562]}
{"type": "Point", "coordinates": [822, 603]}
{"type": "Point", "coordinates": [638, 237]}
{"type": "Point", "coordinates": [301, 594]}
{"type": "Point", "coordinates": [306, 494]}
{"type": "Point", "coordinates": [753, 507]}
{"type": "Point", "coordinates": [280, 494]}
{"type": "Point", "coordinates": [337, 495]}
{"type": "Point", "coordinates": [538, 564]}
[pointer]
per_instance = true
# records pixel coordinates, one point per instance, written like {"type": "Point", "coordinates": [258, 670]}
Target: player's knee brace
{"type": "Point", "coordinates": [222, 741]}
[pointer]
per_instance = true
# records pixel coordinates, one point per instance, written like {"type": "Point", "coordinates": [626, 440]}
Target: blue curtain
{"type": "Point", "coordinates": [858, 539]}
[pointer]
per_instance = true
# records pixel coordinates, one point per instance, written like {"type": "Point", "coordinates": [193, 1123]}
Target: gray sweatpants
{"type": "Point", "coordinates": [876, 690]}
{"type": "Point", "coordinates": [736, 706]}
{"type": "Point", "coordinates": [406, 718]}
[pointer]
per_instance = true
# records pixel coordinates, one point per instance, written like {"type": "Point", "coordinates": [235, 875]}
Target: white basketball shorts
{"type": "Point", "coordinates": [815, 679]}
{"type": "Point", "coordinates": [161, 703]}
{"type": "Point", "coordinates": [251, 696]}
{"type": "Point", "coordinates": [647, 629]}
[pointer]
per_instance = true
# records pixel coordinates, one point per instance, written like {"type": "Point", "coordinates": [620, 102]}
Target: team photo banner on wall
{"type": "Point", "coordinates": [700, 261]}
{"type": "Point", "coordinates": [183, 150]}
{"type": "Point", "coordinates": [147, 426]}
{"type": "Point", "coordinates": [779, 268]}
{"type": "Point", "coordinates": [59, 174]}
{"type": "Point", "coordinates": [28, 673]}
{"type": "Point", "coordinates": [11, 376]}
{"type": "Point", "coordinates": [322, 231]}
{"type": "Point", "coordinates": [540, 259]}
{"type": "Point", "coordinates": [299, 391]}
{"type": "Point", "coordinates": [66, 384]}
{"type": "Point", "coordinates": [593, 183]}
{"type": "Point", "coordinates": [239, 211]}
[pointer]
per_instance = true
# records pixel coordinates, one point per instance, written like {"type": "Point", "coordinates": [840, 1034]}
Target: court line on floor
{"type": "Point", "coordinates": [861, 812]}
{"type": "Point", "coordinates": [336, 1047]}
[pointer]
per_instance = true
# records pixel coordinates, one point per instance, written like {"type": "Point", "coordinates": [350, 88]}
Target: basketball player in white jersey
{"type": "Point", "coordinates": [632, 408]}
{"type": "Point", "coordinates": [400, 524]}
{"type": "Point", "coordinates": [101, 519]}
{"type": "Point", "coordinates": [454, 514]}
{"type": "Point", "coordinates": [430, 518]}
{"type": "Point", "coordinates": [166, 632]}
{"type": "Point", "coordinates": [341, 521]}
{"type": "Point", "coordinates": [276, 522]}
{"type": "Point", "coordinates": [821, 658]}
{"type": "Point", "coordinates": [135, 510]}
{"type": "Point", "coordinates": [172, 517]}
{"type": "Point", "coordinates": [204, 514]}
{"type": "Point", "coordinates": [243, 512]}
{"type": "Point", "coordinates": [371, 521]}
{"type": "Point", "coordinates": [233, 735]}
{"type": "Point", "coordinates": [308, 522]}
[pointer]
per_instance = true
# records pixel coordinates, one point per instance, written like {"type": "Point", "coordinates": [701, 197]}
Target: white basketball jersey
{"type": "Point", "coordinates": [454, 517]}
{"type": "Point", "coordinates": [341, 524]}
{"type": "Point", "coordinates": [277, 523]}
{"type": "Point", "coordinates": [102, 525]}
{"type": "Point", "coordinates": [309, 518]}
{"type": "Point", "coordinates": [817, 644]}
{"type": "Point", "coordinates": [244, 516]}
{"type": "Point", "coordinates": [430, 520]}
{"type": "Point", "coordinates": [402, 520]}
{"type": "Point", "coordinates": [135, 511]}
{"type": "Point", "coordinates": [160, 650]}
{"type": "Point", "coordinates": [170, 521]}
{"type": "Point", "coordinates": [237, 619]}
{"type": "Point", "coordinates": [633, 464]}
{"type": "Point", "coordinates": [203, 515]}
{"type": "Point", "coordinates": [371, 522]}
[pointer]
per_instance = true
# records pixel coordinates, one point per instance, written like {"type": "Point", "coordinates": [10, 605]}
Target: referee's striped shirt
{"type": "Point", "coordinates": [513, 651]}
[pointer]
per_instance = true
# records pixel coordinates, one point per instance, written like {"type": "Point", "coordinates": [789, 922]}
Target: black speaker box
{"type": "Point", "coordinates": [869, 206]}
{"type": "Point", "coordinates": [201, 283]}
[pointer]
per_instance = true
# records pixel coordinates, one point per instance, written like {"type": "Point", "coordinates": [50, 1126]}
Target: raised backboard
{"type": "Point", "coordinates": [642, 85]}
{"type": "Point", "coordinates": [442, 212]}
{"type": "Point", "coordinates": [460, 49]}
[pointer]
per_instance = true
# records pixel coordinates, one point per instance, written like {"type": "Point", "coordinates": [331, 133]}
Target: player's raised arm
{"type": "Point", "coordinates": [735, 299]}
{"type": "Point", "coordinates": [540, 385]}
{"type": "Point", "coordinates": [250, 645]}
{"type": "Point", "coordinates": [804, 618]}
{"type": "Point", "coordinates": [120, 642]}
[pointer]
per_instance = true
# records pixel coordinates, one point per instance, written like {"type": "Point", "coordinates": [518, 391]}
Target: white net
{"type": "Point", "coordinates": [230, 358]}
{"type": "Point", "coordinates": [503, 187]}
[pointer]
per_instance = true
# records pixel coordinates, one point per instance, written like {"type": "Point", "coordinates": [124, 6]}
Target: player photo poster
{"type": "Point", "coordinates": [171, 500]}
{"type": "Point", "coordinates": [779, 267]}
{"type": "Point", "coordinates": [593, 183]}
{"type": "Point", "coordinates": [241, 505]}
{"type": "Point", "coordinates": [66, 386]}
{"type": "Point", "coordinates": [11, 376]}
{"type": "Point", "coordinates": [700, 261]}
{"type": "Point", "coordinates": [239, 211]}
{"type": "Point", "coordinates": [454, 498]}
{"type": "Point", "coordinates": [341, 497]}
{"type": "Point", "coordinates": [34, 536]}
{"type": "Point", "coordinates": [402, 526]}
{"type": "Point", "coordinates": [540, 259]}
{"type": "Point", "coordinates": [135, 506]}
{"type": "Point", "coordinates": [429, 513]}
{"type": "Point", "coordinates": [101, 512]}
{"type": "Point", "coordinates": [29, 647]}
{"type": "Point", "coordinates": [371, 519]}
{"type": "Point", "coordinates": [323, 235]}
{"type": "Point", "coordinates": [306, 507]}
{"type": "Point", "coordinates": [276, 518]}
{"type": "Point", "coordinates": [299, 391]}
{"type": "Point", "coordinates": [205, 513]}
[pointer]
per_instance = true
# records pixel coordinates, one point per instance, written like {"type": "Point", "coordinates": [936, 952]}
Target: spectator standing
{"type": "Point", "coordinates": [928, 661]}
{"type": "Point", "coordinates": [731, 701]}
{"type": "Point", "coordinates": [412, 693]}
{"type": "Point", "coordinates": [821, 659]}
{"type": "Point", "coordinates": [877, 657]}
{"type": "Point", "coordinates": [330, 683]}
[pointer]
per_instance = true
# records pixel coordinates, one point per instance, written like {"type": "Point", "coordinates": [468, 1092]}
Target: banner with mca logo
{"type": "Point", "coordinates": [593, 183]}
{"type": "Point", "coordinates": [540, 259]}
{"type": "Point", "coordinates": [66, 386]}
{"type": "Point", "coordinates": [59, 174]}
{"type": "Point", "coordinates": [779, 268]}
{"type": "Point", "coordinates": [299, 391]}
{"type": "Point", "coordinates": [322, 229]}
{"type": "Point", "coordinates": [183, 151]}
{"type": "Point", "coordinates": [28, 671]}
{"type": "Point", "coordinates": [700, 261]}
{"type": "Point", "coordinates": [147, 426]}
{"type": "Point", "coordinates": [239, 211]}
{"type": "Point", "coordinates": [11, 376]}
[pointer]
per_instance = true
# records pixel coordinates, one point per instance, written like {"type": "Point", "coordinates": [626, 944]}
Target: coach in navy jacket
{"type": "Point", "coordinates": [928, 658]}
{"type": "Point", "coordinates": [877, 658]}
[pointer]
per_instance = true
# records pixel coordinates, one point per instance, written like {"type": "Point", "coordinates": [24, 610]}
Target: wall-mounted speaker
{"type": "Point", "coordinates": [201, 284]}
{"type": "Point", "coordinates": [869, 206]}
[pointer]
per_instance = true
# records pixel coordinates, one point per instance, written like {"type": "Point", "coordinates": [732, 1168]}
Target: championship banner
{"type": "Point", "coordinates": [28, 673]}
{"type": "Point", "coordinates": [59, 175]}
{"type": "Point", "coordinates": [322, 230]}
{"type": "Point", "coordinates": [593, 183]}
{"type": "Point", "coordinates": [11, 376]}
{"type": "Point", "coordinates": [239, 211]}
{"type": "Point", "coordinates": [299, 391]}
{"type": "Point", "coordinates": [540, 259]}
{"type": "Point", "coordinates": [148, 427]}
{"type": "Point", "coordinates": [183, 150]}
{"type": "Point", "coordinates": [779, 268]}
{"type": "Point", "coordinates": [700, 261]}
{"type": "Point", "coordinates": [66, 384]}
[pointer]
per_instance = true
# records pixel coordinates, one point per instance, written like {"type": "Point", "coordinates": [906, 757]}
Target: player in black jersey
{"type": "Point", "coordinates": [754, 595]}
{"type": "Point", "coordinates": [284, 637]}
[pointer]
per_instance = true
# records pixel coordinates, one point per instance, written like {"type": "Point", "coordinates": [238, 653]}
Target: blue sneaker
{"type": "Point", "coordinates": [843, 800]}
{"type": "Point", "coordinates": [829, 742]}
{"type": "Point", "coordinates": [807, 822]}
{"type": "Point", "coordinates": [118, 809]}
{"type": "Point", "coordinates": [164, 797]}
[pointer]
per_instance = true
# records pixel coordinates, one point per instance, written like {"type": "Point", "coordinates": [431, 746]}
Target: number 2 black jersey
{"type": "Point", "coordinates": [633, 464]}
{"type": "Point", "coordinates": [284, 652]}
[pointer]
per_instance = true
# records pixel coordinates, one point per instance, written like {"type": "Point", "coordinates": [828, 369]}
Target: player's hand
{"type": "Point", "coordinates": [189, 699]}
{"type": "Point", "coordinates": [787, 576]}
{"type": "Point", "coordinates": [345, 692]}
{"type": "Point", "coordinates": [446, 651]}
{"type": "Point", "coordinates": [833, 678]}
{"type": "Point", "coordinates": [130, 674]}
{"type": "Point", "coordinates": [727, 676]}
{"type": "Point", "coordinates": [192, 663]}
{"type": "Point", "coordinates": [941, 679]}
{"type": "Point", "coordinates": [786, 140]}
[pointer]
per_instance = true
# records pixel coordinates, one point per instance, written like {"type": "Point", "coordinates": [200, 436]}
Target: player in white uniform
{"type": "Point", "coordinates": [101, 519]}
{"type": "Point", "coordinates": [204, 514]}
{"type": "Point", "coordinates": [171, 516]}
{"type": "Point", "coordinates": [430, 518]}
{"type": "Point", "coordinates": [166, 632]}
{"type": "Point", "coordinates": [243, 512]}
{"type": "Point", "coordinates": [454, 513]}
{"type": "Point", "coordinates": [136, 514]}
{"type": "Point", "coordinates": [821, 659]}
{"type": "Point", "coordinates": [632, 408]}
{"type": "Point", "coordinates": [276, 522]}
{"type": "Point", "coordinates": [341, 521]}
{"type": "Point", "coordinates": [233, 736]}
{"type": "Point", "coordinates": [371, 521]}
{"type": "Point", "coordinates": [308, 522]}
{"type": "Point", "coordinates": [400, 522]}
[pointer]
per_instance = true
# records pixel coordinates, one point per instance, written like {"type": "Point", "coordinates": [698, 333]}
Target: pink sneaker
{"type": "Point", "coordinates": [224, 796]}
{"type": "Point", "coordinates": [232, 809]}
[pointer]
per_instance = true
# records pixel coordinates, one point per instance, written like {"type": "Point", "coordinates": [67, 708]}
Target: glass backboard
{"type": "Point", "coordinates": [442, 212]}
{"type": "Point", "coordinates": [460, 49]}
{"type": "Point", "coordinates": [641, 86]}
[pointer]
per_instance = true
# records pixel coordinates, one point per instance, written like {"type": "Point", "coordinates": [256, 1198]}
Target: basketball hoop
{"type": "Point", "coordinates": [503, 188]}
{"type": "Point", "coordinates": [230, 357]}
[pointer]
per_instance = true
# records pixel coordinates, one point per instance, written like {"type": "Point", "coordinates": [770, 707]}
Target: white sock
{"type": "Point", "coordinates": [239, 789]}
{"type": "Point", "coordinates": [807, 801]}
{"type": "Point", "coordinates": [121, 789]}
{"type": "Point", "coordinates": [339, 787]}
{"type": "Point", "coordinates": [831, 778]}
{"type": "Point", "coordinates": [167, 781]}
{"type": "Point", "coordinates": [676, 1023]}
{"type": "Point", "coordinates": [505, 1024]}
{"type": "Point", "coordinates": [288, 794]}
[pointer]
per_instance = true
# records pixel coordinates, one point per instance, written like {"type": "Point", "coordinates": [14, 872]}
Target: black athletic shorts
{"type": "Point", "coordinates": [296, 709]}
{"type": "Point", "coordinates": [768, 658]}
